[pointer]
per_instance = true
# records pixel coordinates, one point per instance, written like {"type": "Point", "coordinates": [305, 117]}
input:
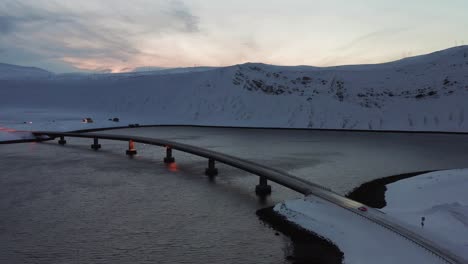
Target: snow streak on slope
{"type": "Point", "coordinates": [422, 93]}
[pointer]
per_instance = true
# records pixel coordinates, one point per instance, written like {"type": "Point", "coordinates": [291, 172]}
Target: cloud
{"type": "Point", "coordinates": [366, 47]}
{"type": "Point", "coordinates": [372, 36]}
{"type": "Point", "coordinates": [182, 13]}
{"type": "Point", "coordinates": [6, 24]}
{"type": "Point", "coordinates": [93, 35]}
{"type": "Point", "coordinates": [118, 35]}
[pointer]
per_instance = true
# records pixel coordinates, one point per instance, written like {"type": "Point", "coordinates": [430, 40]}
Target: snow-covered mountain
{"type": "Point", "coordinates": [160, 70]}
{"type": "Point", "coordinates": [428, 92]}
{"type": "Point", "coordinates": [148, 68]}
{"type": "Point", "coordinates": [13, 72]}
{"type": "Point", "coordinates": [184, 70]}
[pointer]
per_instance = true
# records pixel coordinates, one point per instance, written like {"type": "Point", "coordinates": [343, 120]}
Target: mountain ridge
{"type": "Point", "coordinates": [426, 93]}
{"type": "Point", "coordinates": [10, 71]}
{"type": "Point", "coordinates": [152, 69]}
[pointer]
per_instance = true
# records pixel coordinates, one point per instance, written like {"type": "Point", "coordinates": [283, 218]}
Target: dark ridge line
{"type": "Point", "coordinates": [278, 128]}
{"type": "Point", "coordinates": [372, 193]}
{"type": "Point", "coordinates": [246, 127]}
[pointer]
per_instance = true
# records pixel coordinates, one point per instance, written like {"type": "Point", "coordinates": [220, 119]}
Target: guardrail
{"type": "Point", "coordinates": [266, 173]}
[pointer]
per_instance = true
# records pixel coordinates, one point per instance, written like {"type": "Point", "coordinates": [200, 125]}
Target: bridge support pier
{"type": "Point", "coordinates": [211, 171]}
{"type": "Point", "coordinates": [96, 144]}
{"type": "Point", "coordinates": [62, 141]}
{"type": "Point", "coordinates": [131, 148]}
{"type": "Point", "coordinates": [169, 159]}
{"type": "Point", "coordinates": [263, 189]}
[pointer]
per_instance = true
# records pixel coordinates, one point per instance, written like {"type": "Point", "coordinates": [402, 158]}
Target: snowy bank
{"type": "Point", "coordinates": [440, 197]}
{"type": "Point", "coordinates": [18, 123]}
{"type": "Point", "coordinates": [360, 240]}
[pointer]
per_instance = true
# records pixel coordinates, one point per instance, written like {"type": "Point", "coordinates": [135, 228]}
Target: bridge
{"type": "Point", "coordinates": [265, 174]}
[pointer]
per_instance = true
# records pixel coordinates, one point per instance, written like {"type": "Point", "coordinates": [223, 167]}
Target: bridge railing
{"type": "Point", "coordinates": [265, 173]}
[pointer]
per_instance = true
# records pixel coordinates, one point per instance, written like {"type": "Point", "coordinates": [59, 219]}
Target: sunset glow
{"type": "Point", "coordinates": [120, 36]}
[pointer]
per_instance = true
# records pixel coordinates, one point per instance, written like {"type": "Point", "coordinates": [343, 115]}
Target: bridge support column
{"type": "Point", "coordinates": [131, 148]}
{"type": "Point", "coordinates": [96, 144]}
{"type": "Point", "coordinates": [263, 189]}
{"type": "Point", "coordinates": [169, 159]}
{"type": "Point", "coordinates": [211, 171]}
{"type": "Point", "coordinates": [62, 141]}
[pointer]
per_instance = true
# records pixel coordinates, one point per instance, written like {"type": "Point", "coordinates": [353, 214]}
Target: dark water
{"type": "Point", "coordinates": [73, 205]}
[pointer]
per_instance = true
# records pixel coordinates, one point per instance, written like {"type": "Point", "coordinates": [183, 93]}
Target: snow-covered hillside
{"type": "Point", "coordinates": [428, 92]}
{"type": "Point", "coordinates": [158, 70]}
{"type": "Point", "coordinates": [13, 72]}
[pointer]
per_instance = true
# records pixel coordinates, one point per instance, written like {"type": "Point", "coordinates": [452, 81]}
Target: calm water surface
{"type": "Point", "coordinates": [73, 205]}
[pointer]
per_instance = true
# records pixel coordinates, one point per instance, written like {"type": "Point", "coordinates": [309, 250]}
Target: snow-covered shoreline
{"type": "Point", "coordinates": [440, 197]}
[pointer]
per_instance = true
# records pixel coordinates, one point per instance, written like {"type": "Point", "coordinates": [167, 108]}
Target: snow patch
{"type": "Point", "coordinates": [441, 198]}
{"type": "Point", "coordinates": [360, 240]}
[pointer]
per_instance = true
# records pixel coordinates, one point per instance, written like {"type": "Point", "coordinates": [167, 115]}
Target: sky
{"type": "Point", "coordinates": [121, 35]}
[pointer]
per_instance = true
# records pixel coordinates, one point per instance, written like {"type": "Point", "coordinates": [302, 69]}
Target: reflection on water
{"type": "Point", "coordinates": [70, 204]}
